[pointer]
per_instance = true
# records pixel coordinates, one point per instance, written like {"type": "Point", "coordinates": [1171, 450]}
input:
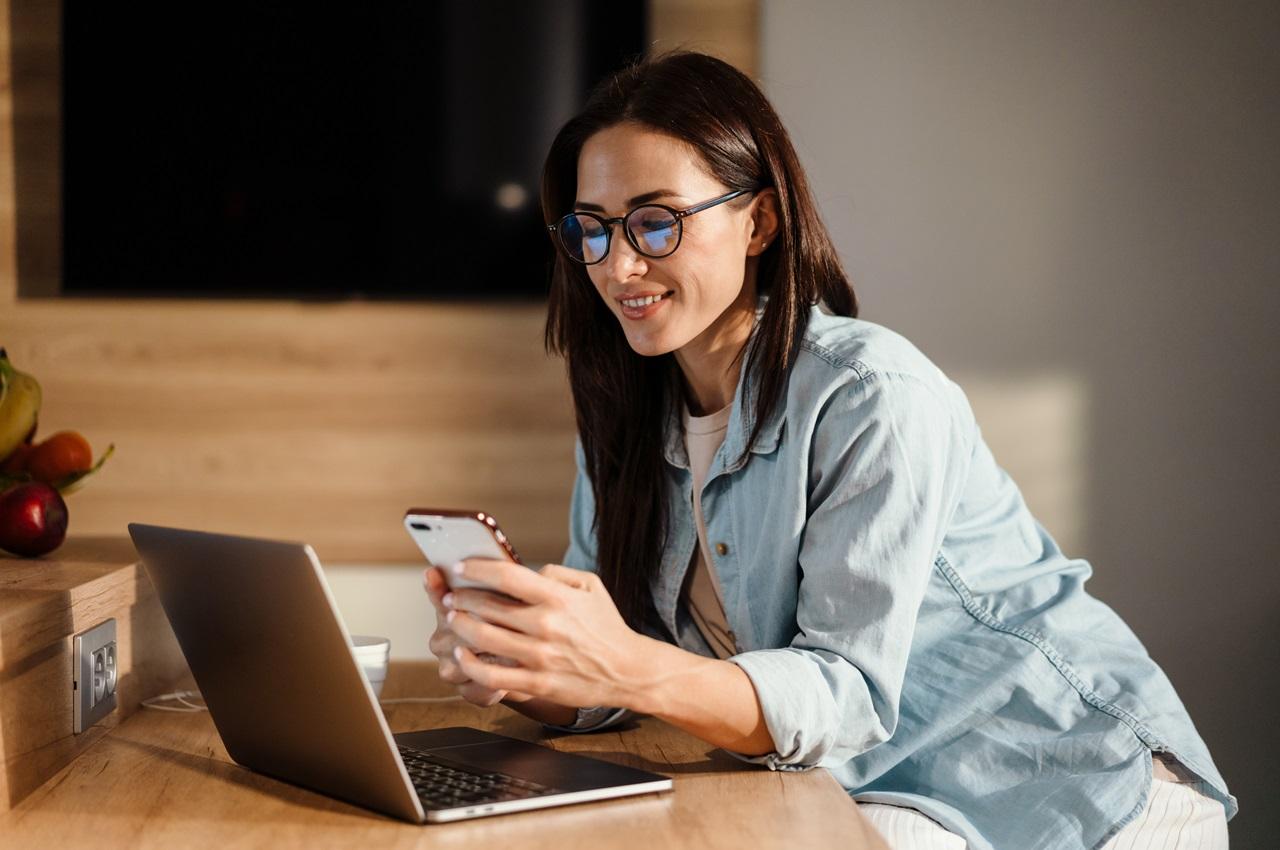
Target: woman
{"type": "Point", "coordinates": [787, 536]}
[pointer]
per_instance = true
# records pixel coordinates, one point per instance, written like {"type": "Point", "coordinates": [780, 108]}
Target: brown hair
{"type": "Point", "coordinates": [622, 400]}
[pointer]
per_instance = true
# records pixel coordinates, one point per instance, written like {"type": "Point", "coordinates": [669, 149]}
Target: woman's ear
{"type": "Point", "coordinates": [765, 221]}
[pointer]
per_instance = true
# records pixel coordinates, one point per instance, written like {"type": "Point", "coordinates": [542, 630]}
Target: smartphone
{"type": "Point", "coordinates": [446, 536]}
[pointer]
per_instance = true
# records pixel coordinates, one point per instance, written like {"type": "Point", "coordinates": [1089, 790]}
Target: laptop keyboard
{"type": "Point", "coordinates": [443, 784]}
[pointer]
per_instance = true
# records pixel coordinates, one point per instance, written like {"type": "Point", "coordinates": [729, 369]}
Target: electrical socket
{"type": "Point", "coordinates": [94, 673]}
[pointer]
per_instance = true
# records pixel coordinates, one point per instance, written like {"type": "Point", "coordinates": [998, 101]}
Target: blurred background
{"type": "Point", "coordinates": [290, 263]}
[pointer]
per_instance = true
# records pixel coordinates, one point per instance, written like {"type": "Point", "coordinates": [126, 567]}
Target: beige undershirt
{"type": "Point", "coordinates": [702, 438]}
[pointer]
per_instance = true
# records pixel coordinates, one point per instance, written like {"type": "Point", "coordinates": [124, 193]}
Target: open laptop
{"type": "Point", "coordinates": [273, 661]}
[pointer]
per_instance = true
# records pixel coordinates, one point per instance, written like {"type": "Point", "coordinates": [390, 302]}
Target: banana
{"type": "Point", "coordinates": [19, 405]}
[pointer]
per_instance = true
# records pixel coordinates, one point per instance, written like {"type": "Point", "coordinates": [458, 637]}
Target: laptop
{"type": "Point", "coordinates": [273, 661]}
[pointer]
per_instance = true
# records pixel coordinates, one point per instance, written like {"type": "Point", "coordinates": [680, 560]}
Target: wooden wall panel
{"type": "Point", "coordinates": [36, 76]}
{"type": "Point", "coordinates": [8, 194]}
{"type": "Point", "coordinates": [315, 422]}
{"type": "Point", "coordinates": [727, 29]}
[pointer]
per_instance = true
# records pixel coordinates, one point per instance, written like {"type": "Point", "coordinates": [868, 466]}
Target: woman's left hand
{"type": "Point", "coordinates": [560, 626]}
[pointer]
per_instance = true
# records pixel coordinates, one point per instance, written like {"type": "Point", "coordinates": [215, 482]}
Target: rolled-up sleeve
{"type": "Point", "coordinates": [889, 454]}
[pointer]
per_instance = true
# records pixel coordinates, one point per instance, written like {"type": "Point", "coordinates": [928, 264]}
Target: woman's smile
{"type": "Point", "coordinates": [639, 307]}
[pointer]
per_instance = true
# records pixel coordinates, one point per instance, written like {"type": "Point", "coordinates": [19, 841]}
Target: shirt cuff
{"type": "Point", "coordinates": [773, 761]}
{"type": "Point", "coordinates": [773, 676]}
{"type": "Point", "coordinates": [592, 719]}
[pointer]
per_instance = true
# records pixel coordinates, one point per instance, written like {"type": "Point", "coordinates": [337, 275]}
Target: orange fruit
{"type": "Point", "coordinates": [58, 456]}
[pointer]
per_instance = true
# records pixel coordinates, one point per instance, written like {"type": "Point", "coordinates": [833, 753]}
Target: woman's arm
{"type": "Point", "coordinates": [711, 699]}
{"type": "Point", "coordinates": [574, 649]}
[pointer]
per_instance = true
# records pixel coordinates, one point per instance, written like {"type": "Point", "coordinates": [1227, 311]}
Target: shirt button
{"type": "Point", "coordinates": [722, 549]}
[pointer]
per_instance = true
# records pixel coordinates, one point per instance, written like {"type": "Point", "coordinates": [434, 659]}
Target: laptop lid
{"type": "Point", "coordinates": [271, 655]}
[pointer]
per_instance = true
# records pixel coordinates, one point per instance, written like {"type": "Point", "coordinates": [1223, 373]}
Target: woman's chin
{"type": "Point", "coordinates": [650, 345]}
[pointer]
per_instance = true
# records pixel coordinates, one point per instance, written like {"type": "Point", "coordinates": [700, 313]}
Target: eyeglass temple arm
{"type": "Point", "coordinates": [711, 203]}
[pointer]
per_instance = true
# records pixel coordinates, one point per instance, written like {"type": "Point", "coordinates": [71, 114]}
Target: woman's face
{"type": "Point", "coordinates": [705, 286]}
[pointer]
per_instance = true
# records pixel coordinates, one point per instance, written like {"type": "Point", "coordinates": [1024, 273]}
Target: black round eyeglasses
{"type": "Point", "coordinates": [654, 230]}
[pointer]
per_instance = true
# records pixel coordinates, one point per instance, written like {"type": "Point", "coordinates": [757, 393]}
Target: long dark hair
{"type": "Point", "coordinates": [622, 400]}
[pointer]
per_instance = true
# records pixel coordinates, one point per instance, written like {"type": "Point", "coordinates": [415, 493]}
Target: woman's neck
{"type": "Point", "coordinates": [710, 364]}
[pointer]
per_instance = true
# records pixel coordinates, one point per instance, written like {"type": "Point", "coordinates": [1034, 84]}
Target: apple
{"type": "Point", "coordinates": [33, 519]}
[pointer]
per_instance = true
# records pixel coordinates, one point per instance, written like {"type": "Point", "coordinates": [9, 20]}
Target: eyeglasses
{"type": "Point", "coordinates": [654, 230]}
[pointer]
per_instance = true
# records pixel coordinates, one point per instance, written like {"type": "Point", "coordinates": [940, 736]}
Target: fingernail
{"type": "Point", "coordinates": [457, 653]}
{"type": "Point", "coordinates": [447, 600]}
{"type": "Point", "coordinates": [448, 618]}
{"type": "Point", "coordinates": [456, 568]}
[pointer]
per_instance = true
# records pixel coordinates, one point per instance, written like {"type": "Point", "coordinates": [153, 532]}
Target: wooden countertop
{"type": "Point", "coordinates": [163, 780]}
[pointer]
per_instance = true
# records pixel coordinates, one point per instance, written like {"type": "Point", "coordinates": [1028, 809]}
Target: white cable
{"type": "Point", "coordinates": [182, 695]}
{"type": "Point", "coordinates": [192, 708]}
{"type": "Point", "coordinates": [178, 696]}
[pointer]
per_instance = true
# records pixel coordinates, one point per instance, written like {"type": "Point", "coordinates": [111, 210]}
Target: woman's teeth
{"type": "Point", "coordinates": [642, 302]}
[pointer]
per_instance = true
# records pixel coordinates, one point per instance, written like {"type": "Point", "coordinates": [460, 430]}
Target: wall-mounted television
{"type": "Point", "coordinates": [321, 150]}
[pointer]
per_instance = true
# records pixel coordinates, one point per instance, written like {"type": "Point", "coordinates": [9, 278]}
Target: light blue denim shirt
{"type": "Point", "coordinates": [905, 620]}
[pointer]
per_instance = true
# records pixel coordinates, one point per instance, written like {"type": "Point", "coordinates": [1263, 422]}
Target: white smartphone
{"type": "Point", "coordinates": [446, 536]}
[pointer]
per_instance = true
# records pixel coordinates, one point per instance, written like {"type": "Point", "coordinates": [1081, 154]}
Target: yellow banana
{"type": "Point", "coordinates": [19, 406]}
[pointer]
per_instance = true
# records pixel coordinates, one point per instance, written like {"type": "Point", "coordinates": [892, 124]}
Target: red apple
{"type": "Point", "coordinates": [33, 519]}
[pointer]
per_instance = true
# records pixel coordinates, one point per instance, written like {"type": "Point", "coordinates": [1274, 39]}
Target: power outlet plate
{"type": "Point", "coordinates": [94, 673]}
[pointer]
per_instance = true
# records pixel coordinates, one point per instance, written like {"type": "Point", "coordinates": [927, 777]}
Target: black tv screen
{"type": "Point", "coordinates": [326, 151]}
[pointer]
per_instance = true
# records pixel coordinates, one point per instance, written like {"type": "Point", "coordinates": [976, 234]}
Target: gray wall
{"type": "Point", "coordinates": [1090, 190]}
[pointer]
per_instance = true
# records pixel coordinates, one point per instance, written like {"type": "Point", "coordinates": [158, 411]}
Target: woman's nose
{"type": "Point", "coordinates": [623, 259]}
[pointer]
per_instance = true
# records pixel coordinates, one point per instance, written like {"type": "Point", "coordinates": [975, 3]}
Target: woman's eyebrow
{"type": "Point", "coordinates": [638, 199]}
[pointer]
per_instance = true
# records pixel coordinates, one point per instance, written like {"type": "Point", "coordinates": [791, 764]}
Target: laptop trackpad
{"type": "Point", "coordinates": [530, 761]}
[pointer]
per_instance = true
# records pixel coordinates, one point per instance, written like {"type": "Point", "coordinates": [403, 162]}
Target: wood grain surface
{"type": "Point", "coordinates": [163, 780]}
{"type": "Point", "coordinates": [314, 422]}
{"type": "Point", "coordinates": [43, 604]}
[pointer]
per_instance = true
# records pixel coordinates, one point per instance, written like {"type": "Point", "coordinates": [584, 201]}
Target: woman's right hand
{"type": "Point", "coordinates": [442, 642]}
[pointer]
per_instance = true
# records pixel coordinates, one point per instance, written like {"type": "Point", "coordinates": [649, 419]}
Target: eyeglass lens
{"type": "Point", "coordinates": [653, 231]}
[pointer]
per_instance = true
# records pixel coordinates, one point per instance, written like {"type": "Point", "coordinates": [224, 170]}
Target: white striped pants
{"type": "Point", "coordinates": [1177, 817]}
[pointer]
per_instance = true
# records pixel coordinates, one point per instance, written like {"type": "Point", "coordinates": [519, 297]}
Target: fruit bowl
{"type": "Point", "coordinates": [35, 476]}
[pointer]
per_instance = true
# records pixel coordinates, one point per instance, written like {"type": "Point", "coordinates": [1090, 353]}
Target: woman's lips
{"type": "Point", "coordinates": [645, 311]}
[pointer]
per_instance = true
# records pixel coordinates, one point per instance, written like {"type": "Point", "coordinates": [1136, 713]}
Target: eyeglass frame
{"type": "Point", "coordinates": [608, 223]}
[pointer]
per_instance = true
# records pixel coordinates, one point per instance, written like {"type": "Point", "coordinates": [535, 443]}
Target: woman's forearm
{"type": "Point", "coordinates": [711, 699]}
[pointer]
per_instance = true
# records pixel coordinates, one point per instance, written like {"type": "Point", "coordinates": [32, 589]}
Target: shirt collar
{"type": "Point", "coordinates": [742, 422]}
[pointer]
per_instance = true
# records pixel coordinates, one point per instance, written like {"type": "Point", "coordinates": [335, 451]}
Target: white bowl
{"type": "Point", "coordinates": [372, 654]}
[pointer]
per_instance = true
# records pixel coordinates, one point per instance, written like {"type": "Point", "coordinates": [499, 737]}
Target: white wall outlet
{"type": "Point", "coordinates": [94, 675]}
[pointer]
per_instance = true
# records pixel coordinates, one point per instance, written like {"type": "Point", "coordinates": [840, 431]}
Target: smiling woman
{"type": "Point", "coordinates": [787, 534]}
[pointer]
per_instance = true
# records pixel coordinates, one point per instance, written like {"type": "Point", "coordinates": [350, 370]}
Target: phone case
{"type": "Point", "coordinates": [446, 536]}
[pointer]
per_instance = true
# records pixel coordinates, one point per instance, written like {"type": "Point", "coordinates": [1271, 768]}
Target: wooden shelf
{"type": "Point", "coordinates": [44, 602]}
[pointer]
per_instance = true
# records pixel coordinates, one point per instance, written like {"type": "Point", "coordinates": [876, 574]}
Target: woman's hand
{"type": "Point", "coordinates": [560, 626]}
{"type": "Point", "coordinates": [442, 644]}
